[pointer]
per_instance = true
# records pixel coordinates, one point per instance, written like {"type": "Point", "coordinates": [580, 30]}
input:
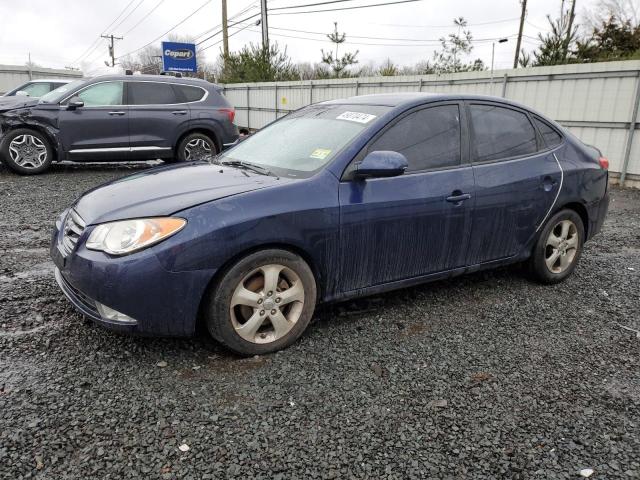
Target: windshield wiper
{"type": "Point", "coordinates": [248, 166]}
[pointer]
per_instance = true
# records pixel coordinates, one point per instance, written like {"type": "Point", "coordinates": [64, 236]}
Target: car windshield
{"type": "Point", "coordinates": [303, 142]}
{"type": "Point", "coordinates": [54, 96]}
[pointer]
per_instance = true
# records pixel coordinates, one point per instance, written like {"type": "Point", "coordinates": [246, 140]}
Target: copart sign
{"type": "Point", "coordinates": [179, 57]}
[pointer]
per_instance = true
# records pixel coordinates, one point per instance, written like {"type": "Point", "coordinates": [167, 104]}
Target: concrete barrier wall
{"type": "Point", "coordinates": [13, 75]}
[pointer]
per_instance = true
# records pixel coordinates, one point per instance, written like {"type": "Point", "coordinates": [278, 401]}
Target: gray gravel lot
{"type": "Point", "coordinates": [486, 376]}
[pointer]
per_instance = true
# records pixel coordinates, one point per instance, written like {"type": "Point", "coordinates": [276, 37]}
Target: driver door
{"type": "Point", "coordinates": [415, 224]}
{"type": "Point", "coordinates": [99, 130]}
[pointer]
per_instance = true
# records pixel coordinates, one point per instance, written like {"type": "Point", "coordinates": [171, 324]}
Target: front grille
{"type": "Point", "coordinates": [71, 231]}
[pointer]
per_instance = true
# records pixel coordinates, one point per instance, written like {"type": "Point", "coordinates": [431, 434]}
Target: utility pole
{"type": "Point", "coordinates": [572, 16]}
{"type": "Point", "coordinates": [265, 27]}
{"type": "Point", "coordinates": [225, 30]}
{"type": "Point", "coordinates": [519, 42]}
{"type": "Point", "coordinates": [112, 52]}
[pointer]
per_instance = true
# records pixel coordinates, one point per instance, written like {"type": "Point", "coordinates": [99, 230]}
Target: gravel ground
{"type": "Point", "coordinates": [484, 376]}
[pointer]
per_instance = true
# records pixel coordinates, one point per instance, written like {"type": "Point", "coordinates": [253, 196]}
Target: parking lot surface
{"type": "Point", "coordinates": [483, 376]}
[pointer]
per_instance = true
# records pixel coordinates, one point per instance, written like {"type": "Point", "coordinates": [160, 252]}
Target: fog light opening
{"type": "Point", "coordinates": [111, 315]}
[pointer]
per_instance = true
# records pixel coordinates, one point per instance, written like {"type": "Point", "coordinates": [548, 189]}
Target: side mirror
{"type": "Point", "coordinates": [74, 103]}
{"type": "Point", "coordinates": [381, 164]}
{"type": "Point", "coordinates": [22, 93]}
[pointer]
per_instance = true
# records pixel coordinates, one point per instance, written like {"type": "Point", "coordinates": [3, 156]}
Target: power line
{"type": "Point", "coordinates": [309, 5]}
{"type": "Point", "coordinates": [348, 8]}
{"type": "Point", "coordinates": [96, 42]}
{"type": "Point", "coordinates": [230, 35]}
{"type": "Point", "coordinates": [372, 38]}
{"type": "Point", "coordinates": [170, 30]}
{"type": "Point", "coordinates": [230, 25]}
{"type": "Point", "coordinates": [128, 15]}
{"type": "Point", "coordinates": [245, 10]}
{"type": "Point", "coordinates": [382, 38]}
{"type": "Point", "coordinates": [446, 26]}
{"type": "Point", "coordinates": [431, 43]}
{"type": "Point", "coordinates": [147, 15]}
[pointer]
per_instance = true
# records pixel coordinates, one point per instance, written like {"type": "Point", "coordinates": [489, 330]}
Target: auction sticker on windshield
{"type": "Point", "coordinates": [356, 117]}
{"type": "Point", "coordinates": [320, 153]}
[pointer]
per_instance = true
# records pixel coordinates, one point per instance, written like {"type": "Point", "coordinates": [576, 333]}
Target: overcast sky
{"type": "Point", "coordinates": [59, 33]}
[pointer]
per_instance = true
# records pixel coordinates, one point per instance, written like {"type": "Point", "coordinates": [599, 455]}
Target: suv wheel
{"type": "Point", "coordinates": [263, 303]}
{"type": "Point", "coordinates": [196, 146]}
{"type": "Point", "coordinates": [26, 151]}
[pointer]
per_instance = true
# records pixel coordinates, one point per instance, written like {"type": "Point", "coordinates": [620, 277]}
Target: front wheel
{"type": "Point", "coordinates": [26, 151]}
{"type": "Point", "coordinates": [263, 303]}
{"type": "Point", "coordinates": [557, 251]}
{"type": "Point", "coordinates": [196, 146]}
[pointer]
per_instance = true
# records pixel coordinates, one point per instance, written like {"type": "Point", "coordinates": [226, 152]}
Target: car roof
{"type": "Point", "coordinates": [409, 99]}
{"type": "Point", "coordinates": [157, 78]}
{"type": "Point", "coordinates": [57, 80]}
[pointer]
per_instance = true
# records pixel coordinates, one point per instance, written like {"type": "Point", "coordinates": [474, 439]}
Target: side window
{"type": "Point", "coordinates": [102, 94]}
{"type": "Point", "coordinates": [549, 134]}
{"type": "Point", "coordinates": [151, 93]}
{"type": "Point", "coordinates": [190, 94]}
{"type": "Point", "coordinates": [500, 133]}
{"type": "Point", "coordinates": [429, 138]}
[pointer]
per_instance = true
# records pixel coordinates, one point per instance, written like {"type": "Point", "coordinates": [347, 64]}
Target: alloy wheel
{"type": "Point", "coordinates": [562, 246]}
{"type": "Point", "coordinates": [267, 303]}
{"type": "Point", "coordinates": [198, 149]}
{"type": "Point", "coordinates": [28, 151]}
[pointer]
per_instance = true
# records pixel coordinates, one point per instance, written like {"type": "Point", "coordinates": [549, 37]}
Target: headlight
{"type": "Point", "coordinates": [119, 238]}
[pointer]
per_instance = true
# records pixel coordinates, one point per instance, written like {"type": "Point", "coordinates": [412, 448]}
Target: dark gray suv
{"type": "Point", "coordinates": [118, 118]}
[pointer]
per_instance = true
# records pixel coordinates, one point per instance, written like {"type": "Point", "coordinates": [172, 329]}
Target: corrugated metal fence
{"type": "Point", "coordinates": [13, 75]}
{"type": "Point", "coordinates": [597, 102]}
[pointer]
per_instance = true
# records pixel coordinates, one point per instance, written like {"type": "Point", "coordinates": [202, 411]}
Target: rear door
{"type": "Point", "coordinates": [158, 115]}
{"type": "Point", "coordinates": [417, 223]}
{"type": "Point", "coordinates": [517, 180]}
{"type": "Point", "coordinates": [99, 129]}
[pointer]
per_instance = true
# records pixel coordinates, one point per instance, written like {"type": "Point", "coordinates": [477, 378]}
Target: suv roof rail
{"type": "Point", "coordinates": [128, 72]}
{"type": "Point", "coordinates": [172, 74]}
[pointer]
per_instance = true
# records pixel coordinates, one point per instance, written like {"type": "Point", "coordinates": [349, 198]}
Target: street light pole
{"type": "Point", "coordinates": [493, 52]}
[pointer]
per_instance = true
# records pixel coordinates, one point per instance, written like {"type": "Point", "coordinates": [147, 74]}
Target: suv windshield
{"type": "Point", "coordinates": [304, 141]}
{"type": "Point", "coordinates": [54, 96]}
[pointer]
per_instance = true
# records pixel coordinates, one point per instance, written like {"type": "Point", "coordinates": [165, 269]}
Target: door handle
{"type": "Point", "coordinates": [118, 113]}
{"type": "Point", "coordinates": [179, 112]}
{"type": "Point", "coordinates": [458, 197]}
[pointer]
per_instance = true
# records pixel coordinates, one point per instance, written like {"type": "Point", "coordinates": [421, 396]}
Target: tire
{"type": "Point", "coordinates": [242, 315]}
{"type": "Point", "coordinates": [196, 146]}
{"type": "Point", "coordinates": [26, 151]}
{"type": "Point", "coordinates": [558, 249]}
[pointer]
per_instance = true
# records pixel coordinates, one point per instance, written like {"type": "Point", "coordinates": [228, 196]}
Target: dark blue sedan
{"type": "Point", "coordinates": [336, 200]}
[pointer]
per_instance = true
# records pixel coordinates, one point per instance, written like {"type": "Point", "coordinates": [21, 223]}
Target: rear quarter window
{"type": "Point", "coordinates": [189, 93]}
{"type": "Point", "coordinates": [551, 137]}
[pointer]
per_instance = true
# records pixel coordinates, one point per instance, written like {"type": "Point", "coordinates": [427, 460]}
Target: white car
{"type": "Point", "coordinates": [37, 88]}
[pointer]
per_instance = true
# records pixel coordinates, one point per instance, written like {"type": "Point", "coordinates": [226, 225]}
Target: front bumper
{"type": "Point", "coordinates": [162, 302]}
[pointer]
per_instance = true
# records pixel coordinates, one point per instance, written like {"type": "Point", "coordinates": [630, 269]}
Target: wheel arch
{"type": "Point", "coordinates": [53, 142]}
{"type": "Point", "coordinates": [210, 132]}
{"type": "Point", "coordinates": [213, 282]}
{"type": "Point", "coordinates": [581, 210]}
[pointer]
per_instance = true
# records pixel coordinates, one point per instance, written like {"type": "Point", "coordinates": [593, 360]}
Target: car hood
{"type": "Point", "coordinates": [167, 190]}
{"type": "Point", "coordinates": [10, 103]}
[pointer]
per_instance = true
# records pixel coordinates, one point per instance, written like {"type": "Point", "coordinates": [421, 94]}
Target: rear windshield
{"type": "Point", "coordinates": [303, 142]}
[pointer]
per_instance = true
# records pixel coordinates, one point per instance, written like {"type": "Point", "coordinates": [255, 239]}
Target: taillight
{"type": "Point", "coordinates": [231, 113]}
{"type": "Point", "coordinates": [604, 163]}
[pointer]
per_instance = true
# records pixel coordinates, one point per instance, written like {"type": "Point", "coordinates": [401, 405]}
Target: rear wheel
{"type": "Point", "coordinates": [196, 146]}
{"type": "Point", "coordinates": [559, 247]}
{"type": "Point", "coordinates": [263, 303]}
{"type": "Point", "coordinates": [26, 151]}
